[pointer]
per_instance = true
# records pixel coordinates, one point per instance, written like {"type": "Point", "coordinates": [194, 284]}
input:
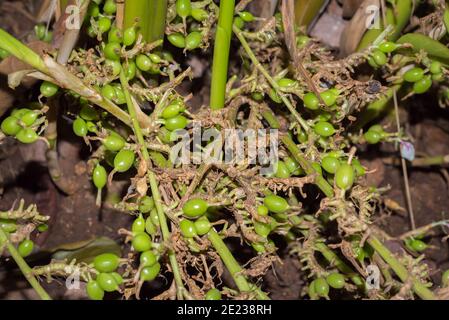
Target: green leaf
{"type": "Point", "coordinates": [403, 12]}
{"type": "Point", "coordinates": [306, 11]}
{"type": "Point", "coordinates": [435, 49]}
{"type": "Point", "coordinates": [446, 19]}
{"type": "Point", "coordinates": [368, 38]}
{"type": "Point", "coordinates": [86, 251]}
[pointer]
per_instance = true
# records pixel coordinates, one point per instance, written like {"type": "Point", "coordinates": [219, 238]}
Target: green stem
{"type": "Point", "coordinates": [403, 12]}
{"type": "Point", "coordinates": [446, 18]}
{"type": "Point", "coordinates": [422, 291]}
{"type": "Point", "coordinates": [153, 184]}
{"type": "Point", "coordinates": [422, 162]}
{"type": "Point", "coordinates": [221, 54]}
{"type": "Point", "coordinates": [156, 24]}
{"type": "Point", "coordinates": [233, 266]}
{"type": "Point", "coordinates": [26, 270]}
{"type": "Point", "coordinates": [431, 161]}
{"type": "Point", "coordinates": [133, 114]}
{"type": "Point", "coordinates": [166, 234]}
{"type": "Point", "coordinates": [272, 82]}
{"type": "Point", "coordinates": [112, 108]}
{"type": "Point", "coordinates": [21, 51]}
{"type": "Point", "coordinates": [136, 14]}
{"type": "Point", "coordinates": [59, 73]}
{"type": "Point", "coordinates": [335, 260]}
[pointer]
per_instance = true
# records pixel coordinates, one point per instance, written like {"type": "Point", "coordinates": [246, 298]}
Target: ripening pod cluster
{"type": "Point", "coordinates": [193, 39]}
{"type": "Point", "coordinates": [286, 168]}
{"type": "Point", "coordinates": [379, 57]}
{"type": "Point", "coordinates": [319, 288]}
{"type": "Point", "coordinates": [242, 17]}
{"type": "Point", "coordinates": [421, 79]}
{"type": "Point", "coordinates": [26, 246]}
{"type": "Point", "coordinates": [335, 168]}
{"type": "Point", "coordinates": [173, 119]}
{"type": "Point", "coordinates": [42, 33]}
{"type": "Point", "coordinates": [143, 230]}
{"type": "Point", "coordinates": [273, 210]}
{"type": "Point", "coordinates": [418, 77]}
{"type": "Point", "coordinates": [117, 155]}
{"type": "Point", "coordinates": [107, 278]}
{"type": "Point", "coordinates": [23, 124]}
{"type": "Point", "coordinates": [329, 97]}
{"type": "Point", "coordinates": [195, 222]}
{"type": "Point", "coordinates": [375, 134]}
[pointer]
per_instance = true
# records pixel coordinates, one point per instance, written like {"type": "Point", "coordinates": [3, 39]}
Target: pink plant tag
{"type": "Point", "coordinates": [407, 150]}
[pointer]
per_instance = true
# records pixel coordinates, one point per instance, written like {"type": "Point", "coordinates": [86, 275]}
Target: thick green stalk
{"type": "Point", "coordinates": [153, 184]}
{"type": "Point", "coordinates": [229, 260]}
{"type": "Point", "coordinates": [232, 265]}
{"type": "Point", "coordinates": [422, 291]}
{"type": "Point", "coordinates": [156, 24]}
{"type": "Point", "coordinates": [221, 54]}
{"type": "Point", "coordinates": [420, 42]}
{"type": "Point", "coordinates": [26, 270]}
{"type": "Point", "coordinates": [422, 161]}
{"type": "Point", "coordinates": [137, 14]}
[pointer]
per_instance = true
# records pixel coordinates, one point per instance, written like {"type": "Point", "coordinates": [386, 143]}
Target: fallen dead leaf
{"type": "Point", "coordinates": [355, 29]}
{"type": "Point", "coordinates": [350, 7]}
{"type": "Point", "coordinates": [393, 205]}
